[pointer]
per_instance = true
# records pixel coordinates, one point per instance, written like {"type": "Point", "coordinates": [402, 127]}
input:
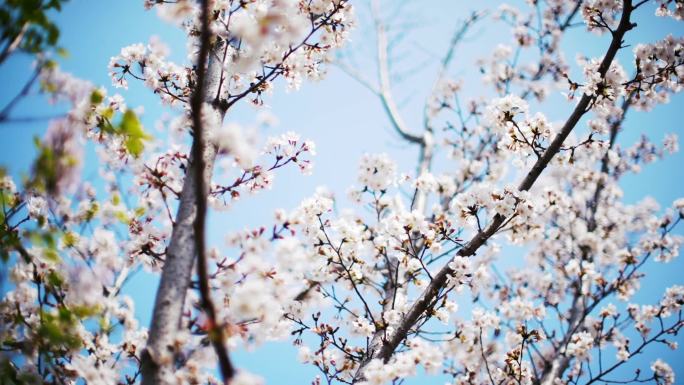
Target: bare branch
{"type": "Point", "coordinates": [385, 85]}
{"type": "Point", "coordinates": [4, 114]}
{"type": "Point", "coordinates": [14, 44]}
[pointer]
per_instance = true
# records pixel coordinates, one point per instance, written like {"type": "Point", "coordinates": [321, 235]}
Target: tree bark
{"type": "Point", "coordinates": [158, 357]}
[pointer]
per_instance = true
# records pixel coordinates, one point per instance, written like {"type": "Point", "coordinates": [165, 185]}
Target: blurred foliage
{"type": "Point", "coordinates": [9, 375]}
{"type": "Point", "coordinates": [54, 331]}
{"type": "Point", "coordinates": [26, 24]}
{"type": "Point", "coordinates": [45, 168]}
{"type": "Point", "coordinates": [130, 128]}
{"type": "Point", "coordinates": [9, 202]}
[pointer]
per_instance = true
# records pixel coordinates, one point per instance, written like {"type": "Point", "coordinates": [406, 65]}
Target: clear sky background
{"type": "Point", "coordinates": [345, 121]}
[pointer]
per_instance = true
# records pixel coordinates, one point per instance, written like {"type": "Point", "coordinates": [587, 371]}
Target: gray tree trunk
{"type": "Point", "coordinates": [158, 358]}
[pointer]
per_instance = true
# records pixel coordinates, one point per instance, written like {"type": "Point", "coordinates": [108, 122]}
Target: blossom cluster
{"type": "Point", "coordinates": [413, 277]}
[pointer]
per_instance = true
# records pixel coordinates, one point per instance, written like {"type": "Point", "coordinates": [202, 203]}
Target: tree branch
{"type": "Point", "coordinates": [215, 331]}
{"type": "Point", "coordinates": [158, 357]}
{"type": "Point", "coordinates": [441, 278]}
{"type": "Point", "coordinates": [4, 114]}
{"type": "Point", "coordinates": [578, 313]}
{"type": "Point", "coordinates": [385, 91]}
{"type": "Point", "coordinates": [14, 44]}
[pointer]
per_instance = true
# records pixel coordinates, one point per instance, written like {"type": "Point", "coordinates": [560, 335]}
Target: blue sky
{"type": "Point", "coordinates": [92, 31]}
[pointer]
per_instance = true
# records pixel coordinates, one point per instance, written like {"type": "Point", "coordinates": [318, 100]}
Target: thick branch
{"type": "Point", "coordinates": [426, 299]}
{"type": "Point", "coordinates": [215, 330]}
{"type": "Point", "coordinates": [157, 365]}
{"type": "Point", "coordinates": [158, 357]}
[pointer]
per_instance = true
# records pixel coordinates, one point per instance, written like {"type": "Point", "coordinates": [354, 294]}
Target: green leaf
{"type": "Point", "coordinates": [96, 97]}
{"type": "Point", "coordinates": [69, 239]}
{"type": "Point", "coordinates": [139, 211]}
{"type": "Point", "coordinates": [116, 199]}
{"type": "Point", "coordinates": [54, 279]}
{"type": "Point", "coordinates": [122, 217]}
{"type": "Point", "coordinates": [63, 52]}
{"type": "Point", "coordinates": [59, 329]}
{"type": "Point", "coordinates": [44, 169]}
{"type": "Point", "coordinates": [92, 211]}
{"type": "Point", "coordinates": [132, 129]}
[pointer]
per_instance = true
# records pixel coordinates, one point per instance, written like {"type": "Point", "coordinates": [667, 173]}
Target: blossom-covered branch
{"type": "Point", "coordinates": [440, 279]}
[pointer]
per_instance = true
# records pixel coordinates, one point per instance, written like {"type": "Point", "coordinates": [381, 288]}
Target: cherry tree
{"type": "Point", "coordinates": [369, 294]}
{"type": "Point", "coordinates": [66, 317]}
